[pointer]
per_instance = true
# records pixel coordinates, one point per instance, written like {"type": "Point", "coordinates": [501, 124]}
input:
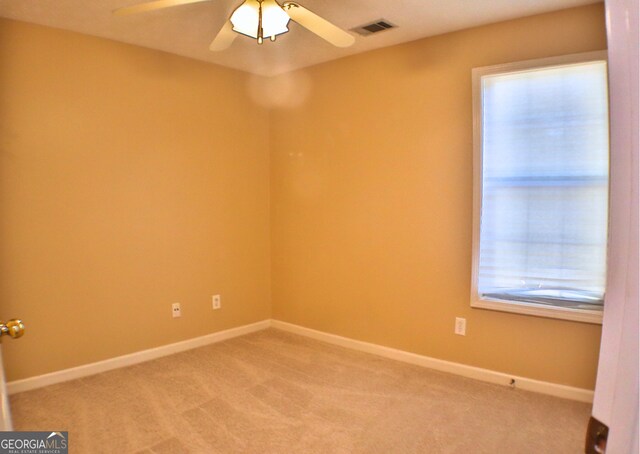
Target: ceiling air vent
{"type": "Point", "coordinates": [374, 27]}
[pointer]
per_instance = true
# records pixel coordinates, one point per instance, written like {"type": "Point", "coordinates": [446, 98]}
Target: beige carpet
{"type": "Point", "coordinates": [274, 392]}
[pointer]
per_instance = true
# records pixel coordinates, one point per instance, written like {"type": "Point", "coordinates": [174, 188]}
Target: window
{"type": "Point", "coordinates": [541, 187]}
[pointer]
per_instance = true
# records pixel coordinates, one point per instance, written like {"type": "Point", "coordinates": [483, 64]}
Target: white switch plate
{"type": "Point", "coordinates": [175, 310]}
{"type": "Point", "coordinates": [215, 301]}
{"type": "Point", "coordinates": [461, 326]}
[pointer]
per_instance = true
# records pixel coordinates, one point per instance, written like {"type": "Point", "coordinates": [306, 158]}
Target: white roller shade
{"type": "Point", "coordinates": [545, 177]}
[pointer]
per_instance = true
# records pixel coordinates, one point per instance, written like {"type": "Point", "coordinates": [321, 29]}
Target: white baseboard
{"type": "Point", "coordinates": [553, 389]}
{"type": "Point", "coordinates": [528, 384]}
{"type": "Point", "coordinates": [133, 358]}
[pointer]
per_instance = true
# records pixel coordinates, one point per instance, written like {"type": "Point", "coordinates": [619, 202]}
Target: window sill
{"type": "Point", "coordinates": [538, 310]}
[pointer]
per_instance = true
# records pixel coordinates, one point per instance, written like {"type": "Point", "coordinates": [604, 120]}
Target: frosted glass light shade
{"type": "Point", "coordinates": [246, 18]}
{"type": "Point", "coordinates": [274, 19]}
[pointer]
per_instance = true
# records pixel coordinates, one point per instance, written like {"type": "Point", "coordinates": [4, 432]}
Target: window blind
{"type": "Point", "coordinates": [545, 178]}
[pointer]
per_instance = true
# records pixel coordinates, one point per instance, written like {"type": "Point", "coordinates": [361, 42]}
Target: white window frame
{"type": "Point", "coordinates": [580, 315]}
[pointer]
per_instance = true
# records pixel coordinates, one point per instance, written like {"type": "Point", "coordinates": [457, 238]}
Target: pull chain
{"type": "Point", "coordinates": [260, 31]}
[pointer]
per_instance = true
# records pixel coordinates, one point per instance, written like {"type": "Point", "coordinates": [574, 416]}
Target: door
{"type": "Point", "coordinates": [614, 426]}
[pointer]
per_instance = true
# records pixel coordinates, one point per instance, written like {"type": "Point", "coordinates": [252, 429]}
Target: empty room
{"type": "Point", "coordinates": [264, 226]}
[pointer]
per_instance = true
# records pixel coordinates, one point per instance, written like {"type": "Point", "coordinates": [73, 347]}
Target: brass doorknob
{"type": "Point", "coordinates": [14, 328]}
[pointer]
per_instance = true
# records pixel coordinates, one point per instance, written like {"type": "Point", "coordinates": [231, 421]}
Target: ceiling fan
{"type": "Point", "coordinates": [258, 19]}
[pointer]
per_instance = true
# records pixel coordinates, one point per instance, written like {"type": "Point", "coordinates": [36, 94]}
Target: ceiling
{"type": "Point", "coordinates": [187, 30]}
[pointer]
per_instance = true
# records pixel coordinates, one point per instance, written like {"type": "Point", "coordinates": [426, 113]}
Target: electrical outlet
{"type": "Point", "coordinates": [461, 326]}
{"type": "Point", "coordinates": [175, 310]}
{"type": "Point", "coordinates": [215, 302]}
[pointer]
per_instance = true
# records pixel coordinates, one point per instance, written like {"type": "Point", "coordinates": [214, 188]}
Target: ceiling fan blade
{"type": "Point", "coordinates": [150, 6]}
{"type": "Point", "coordinates": [316, 24]}
{"type": "Point", "coordinates": [224, 38]}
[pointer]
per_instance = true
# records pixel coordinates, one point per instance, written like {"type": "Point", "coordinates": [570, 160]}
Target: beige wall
{"type": "Point", "coordinates": [371, 182]}
{"type": "Point", "coordinates": [129, 180]}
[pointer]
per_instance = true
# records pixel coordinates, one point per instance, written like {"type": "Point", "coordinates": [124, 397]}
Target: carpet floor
{"type": "Point", "coordinates": [275, 392]}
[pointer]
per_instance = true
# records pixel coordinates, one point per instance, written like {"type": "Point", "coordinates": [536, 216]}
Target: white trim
{"type": "Point", "coordinates": [5, 409]}
{"type": "Point", "coordinates": [538, 310]}
{"type": "Point", "coordinates": [559, 60]}
{"type": "Point", "coordinates": [85, 370]}
{"type": "Point", "coordinates": [528, 384]}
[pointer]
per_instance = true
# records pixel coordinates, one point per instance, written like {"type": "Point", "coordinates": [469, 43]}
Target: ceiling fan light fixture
{"type": "Point", "coordinates": [260, 19]}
